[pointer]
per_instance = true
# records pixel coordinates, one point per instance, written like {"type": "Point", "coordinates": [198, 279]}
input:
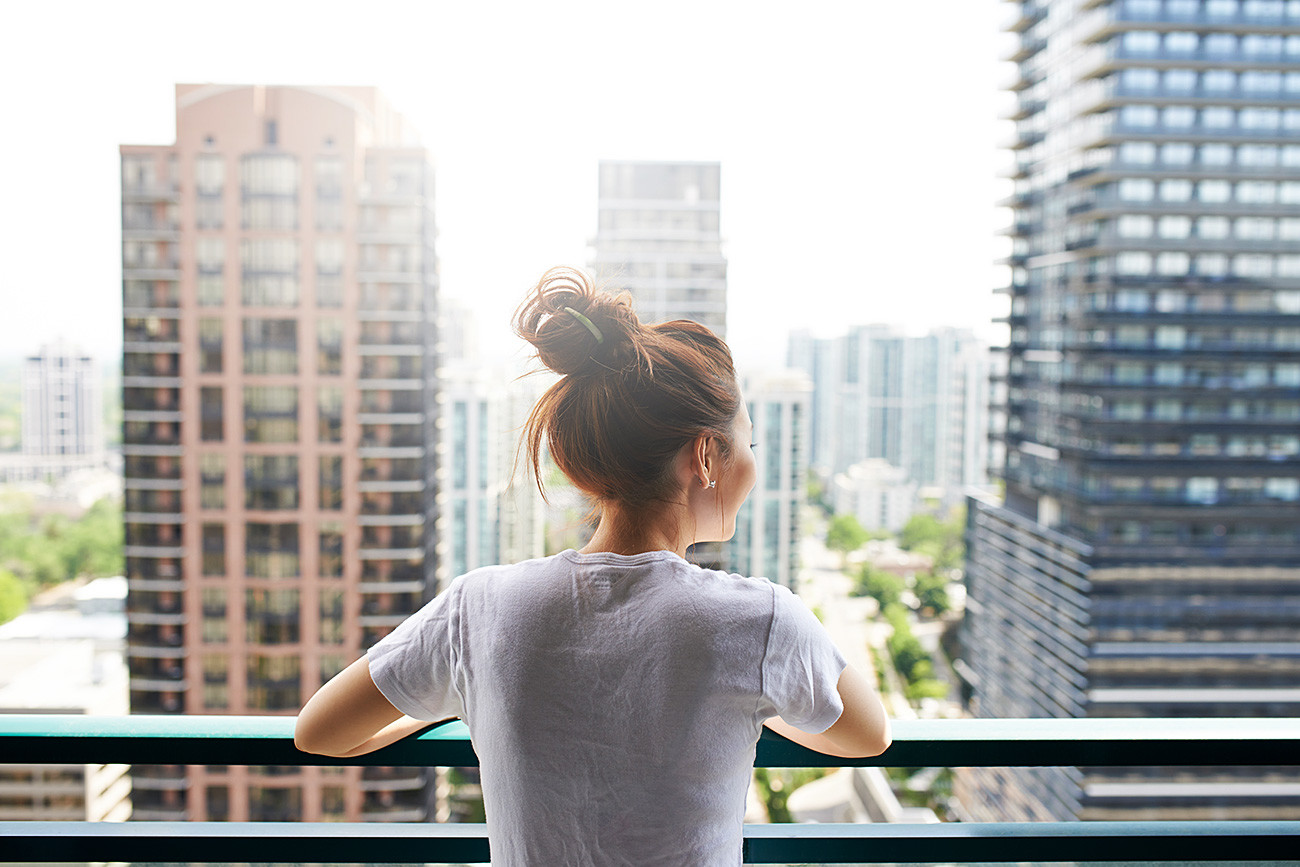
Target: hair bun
{"type": "Point", "coordinates": [576, 329]}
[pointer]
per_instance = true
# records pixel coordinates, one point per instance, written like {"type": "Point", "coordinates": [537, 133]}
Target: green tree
{"type": "Point", "coordinates": [845, 535]}
{"type": "Point", "coordinates": [942, 541]}
{"type": "Point", "coordinates": [885, 587]}
{"type": "Point", "coordinates": [13, 596]}
{"type": "Point", "coordinates": [932, 592]}
{"type": "Point", "coordinates": [93, 545]}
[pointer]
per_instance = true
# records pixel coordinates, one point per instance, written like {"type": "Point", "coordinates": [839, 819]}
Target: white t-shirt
{"type": "Point", "coordinates": [614, 701]}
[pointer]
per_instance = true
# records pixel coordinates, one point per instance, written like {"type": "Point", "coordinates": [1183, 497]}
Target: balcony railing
{"type": "Point", "coordinates": [41, 739]}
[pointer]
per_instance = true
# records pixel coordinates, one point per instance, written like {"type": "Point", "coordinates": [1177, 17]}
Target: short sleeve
{"type": "Point", "coordinates": [801, 666]}
{"type": "Point", "coordinates": [414, 665]}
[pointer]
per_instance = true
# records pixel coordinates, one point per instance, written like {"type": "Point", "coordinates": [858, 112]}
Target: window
{"type": "Point", "coordinates": [1253, 229]}
{"type": "Point", "coordinates": [1177, 153]}
{"type": "Point", "coordinates": [273, 684]}
{"type": "Point", "coordinates": [1171, 337]}
{"type": "Point", "coordinates": [269, 272]}
{"type": "Point", "coordinates": [1216, 154]}
{"type": "Point", "coordinates": [1257, 82]}
{"type": "Point", "coordinates": [331, 482]}
{"type": "Point", "coordinates": [1220, 44]}
{"type": "Point", "coordinates": [1180, 80]}
{"type": "Point", "coordinates": [331, 616]}
{"type": "Point", "coordinates": [269, 175]}
{"type": "Point", "coordinates": [1140, 42]}
{"type": "Point", "coordinates": [1139, 80]}
{"type": "Point", "coordinates": [214, 550]}
{"type": "Point", "coordinates": [1218, 117]}
{"type": "Point", "coordinates": [1219, 81]}
{"type": "Point", "coordinates": [216, 694]}
{"type": "Point", "coordinates": [1214, 192]}
{"type": "Point", "coordinates": [1133, 264]}
{"type": "Point", "coordinates": [1259, 118]}
{"type": "Point", "coordinates": [329, 414]}
{"type": "Point", "coordinates": [329, 347]}
{"type": "Point", "coordinates": [1140, 116]}
{"type": "Point", "coordinates": [1288, 229]}
{"type": "Point", "coordinates": [214, 615]}
{"type": "Point", "coordinates": [1181, 43]}
{"type": "Point", "coordinates": [271, 550]}
{"type": "Point", "coordinates": [1172, 264]}
{"type": "Point", "coordinates": [209, 174]}
{"type": "Point", "coordinates": [270, 346]}
{"type": "Point", "coordinates": [270, 414]}
{"type": "Point", "coordinates": [1174, 227]}
{"type": "Point", "coordinates": [1212, 228]}
{"type": "Point", "coordinates": [1140, 189]}
{"type": "Point", "coordinates": [1252, 266]}
{"type": "Point", "coordinates": [211, 414]}
{"type": "Point", "coordinates": [210, 345]}
{"type": "Point", "coordinates": [270, 482]}
{"type": "Point", "coordinates": [1257, 156]}
{"type": "Point", "coordinates": [212, 481]}
{"type": "Point", "coordinates": [331, 551]}
{"type": "Point", "coordinates": [271, 616]}
{"type": "Point", "coordinates": [1137, 152]}
{"type": "Point", "coordinates": [1202, 489]}
{"type": "Point", "coordinates": [1134, 226]}
{"type": "Point", "coordinates": [1179, 117]}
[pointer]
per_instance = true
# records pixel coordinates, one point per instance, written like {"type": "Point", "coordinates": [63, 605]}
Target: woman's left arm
{"type": "Point", "coordinates": [349, 716]}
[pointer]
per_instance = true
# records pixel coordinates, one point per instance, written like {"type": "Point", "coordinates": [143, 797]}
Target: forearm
{"type": "Point", "coordinates": [389, 734]}
{"type": "Point", "coordinates": [817, 742]}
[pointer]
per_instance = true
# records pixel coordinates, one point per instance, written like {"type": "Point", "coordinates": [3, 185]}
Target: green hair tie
{"type": "Point", "coordinates": [600, 338]}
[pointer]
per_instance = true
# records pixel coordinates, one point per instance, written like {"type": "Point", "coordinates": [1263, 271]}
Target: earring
{"type": "Point", "coordinates": [713, 484]}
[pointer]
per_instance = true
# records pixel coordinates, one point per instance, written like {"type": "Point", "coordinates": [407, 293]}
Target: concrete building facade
{"type": "Point", "coordinates": [1146, 556]}
{"type": "Point", "coordinates": [280, 409]}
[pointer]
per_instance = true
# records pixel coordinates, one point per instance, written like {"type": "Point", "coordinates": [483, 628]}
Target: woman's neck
{"type": "Point", "coordinates": [621, 533]}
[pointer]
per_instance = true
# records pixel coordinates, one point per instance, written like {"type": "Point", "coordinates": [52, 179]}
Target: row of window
{"type": "Point", "coordinates": [1254, 266]}
{"type": "Point", "coordinates": [1213, 10]}
{"type": "Point", "coordinates": [1175, 374]}
{"type": "Point", "coordinates": [1207, 445]}
{"type": "Point", "coordinates": [1210, 191]}
{"type": "Point", "coordinates": [1211, 154]}
{"type": "Point", "coordinates": [1217, 118]}
{"type": "Point", "coordinates": [1214, 45]}
{"type": "Point", "coordinates": [270, 346]}
{"type": "Point", "coordinates": [1176, 410]}
{"type": "Point", "coordinates": [1177, 227]}
{"type": "Point", "coordinates": [1198, 489]}
{"type": "Point", "coordinates": [1217, 82]}
{"type": "Point", "coordinates": [1169, 532]}
{"type": "Point", "coordinates": [1286, 301]}
{"type": "Point", "coordinates": [1180, 337]}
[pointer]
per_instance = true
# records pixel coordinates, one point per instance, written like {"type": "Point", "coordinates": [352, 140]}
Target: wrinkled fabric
{"type": "Point", "coordinates": [614, 701]}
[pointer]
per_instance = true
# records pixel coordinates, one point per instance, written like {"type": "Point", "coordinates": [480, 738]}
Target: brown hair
{"type": "Point", "coordinates": [630, 399]}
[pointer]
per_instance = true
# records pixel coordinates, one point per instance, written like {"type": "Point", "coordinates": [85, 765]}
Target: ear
{"type": "Point", "coordinates": [703, 462]}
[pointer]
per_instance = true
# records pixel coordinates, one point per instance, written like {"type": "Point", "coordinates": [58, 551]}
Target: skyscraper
{"type": "Point", "coordinates": [918, 402]}
{"type": "Point", "coordinates": [1146, 558]}
{"type": "Point", "coordinates": [767, 528]}
{"type": "Point", "coordinates": [62, 404]}
{"type": "Point", "coordinates": [280, 400]}
{"type": "Point", "coordinates": [659, 237]}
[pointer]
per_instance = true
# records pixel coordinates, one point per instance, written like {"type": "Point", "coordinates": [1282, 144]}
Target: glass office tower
{"type": "Point", "coordinates": [1145, 560]}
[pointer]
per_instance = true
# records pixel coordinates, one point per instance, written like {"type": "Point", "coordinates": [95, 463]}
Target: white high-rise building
{"type": "Point", "coordinates": [767, 528]}
{"type": "Point", "coordinates": [659, 238]}
{"type": "Point", "coordinates": [63, 411]}
{"type": "Point", "coordinates": [919, 403]}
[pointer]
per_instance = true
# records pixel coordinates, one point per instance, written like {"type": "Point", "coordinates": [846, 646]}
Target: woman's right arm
{"type": "Point", "coordinates": [349, 716]}
{"type": "Point", "coordinates": [862, 729]}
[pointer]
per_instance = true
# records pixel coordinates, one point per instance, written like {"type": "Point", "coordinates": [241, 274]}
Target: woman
{"type": "Point", "coordinates": [615, 694]}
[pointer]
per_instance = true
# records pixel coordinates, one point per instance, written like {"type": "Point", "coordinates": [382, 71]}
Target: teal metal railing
{"type": "Point", "coordinates": [37, 739]}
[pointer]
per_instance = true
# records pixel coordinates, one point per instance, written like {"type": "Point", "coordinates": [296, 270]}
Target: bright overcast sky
{"type": "Point", "coordinates": [858, 141]}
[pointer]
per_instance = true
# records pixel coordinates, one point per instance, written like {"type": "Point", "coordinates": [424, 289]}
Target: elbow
{"type": "Point", "coordinates": [306, 740]}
